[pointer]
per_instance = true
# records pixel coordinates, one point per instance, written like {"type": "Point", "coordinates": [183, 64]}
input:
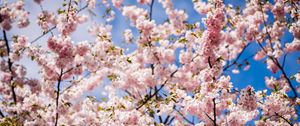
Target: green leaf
{"type": "Point", "coordinates": [128, 60]}
{"type": "Point", "coordinates": [104, 99]}
{"type": "Point", "coordinates": [183, 40]}
{"type": "Point", "coordinates": [112, 77]}
{"type": "Point", "coordinates": [293, 77]}
{"type": "Point", "coordinates": [60, 11]}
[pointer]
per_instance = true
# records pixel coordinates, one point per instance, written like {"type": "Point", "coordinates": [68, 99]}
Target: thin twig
{"type": "Point", "coordinates": [276, 114]}
{"type": "Point", "coordinates": [151, 96]}
{"type": "Point", "coordinates": [291, 124]}
{"type": "Point", "coordinates": [171, 120]}
{"type": "Point", "coordinates": [237, 58]}
{"type": "Point", "coordinates": [209, 117]}
{"type": "Point", "coordinates": [54, 27]}
{"type": "Point", "coordinates": [284, 58]}
{"type": "Point", "coordinates": [187, 120]}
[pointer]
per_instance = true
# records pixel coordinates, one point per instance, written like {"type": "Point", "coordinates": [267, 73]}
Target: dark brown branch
{"type": "Point", "coordinates": [237, 58]}
{"type": "Point", "coordinates": [10, 63]}
{"type": "Point", "coordinates": [54, 27]}
{"type": "Point", "coordinates": [277, 115]}
{"type": "Point", "coordinates": [42, 35]}
{"type": "Point", "coordinates": [265, 25]}
{"type": "Point", "coordinates": [160, 119]}
{"type": "Point", "coordinates": [171, 120]}
{"type": "Point", "coordinates": [187, 120]}
{"type": "Point", "coordinates": [209, 117]}
{"type": "Point", "coordinates": [151, 9]}
{"type": "Point", "coordinates": [215, 114]}
{"type": "Point", "coordinates": [151, 96]}
{"type": "Point", "coordinates": [57, 95]}
{"type": "Point", "coordinates": [167, 119]}
{"type": "Point", "coordinates": [1, 113]}
{"type": "Point", "coordinates": [209, 62]}
{"type": "Point", "coordinates": [156, 91]}
{"type": "Point", "coordinates": [275, 61]}
{"type": "Point", "coordinates": [129, 93]}
{"type": "Point", "coordinates": [67, 88]}
{"type": "Point", "coordinates": [69, 70]}
{"type": "Point", "coordinates": [291, 124]}
{"type": "Point", "coordinates": [284, 58]}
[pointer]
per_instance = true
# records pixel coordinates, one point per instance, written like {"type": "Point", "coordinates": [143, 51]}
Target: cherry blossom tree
{"type": "Point", "coordinates": [175, 76]}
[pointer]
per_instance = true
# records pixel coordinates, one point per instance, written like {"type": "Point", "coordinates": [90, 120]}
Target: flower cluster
{"type": "Point", "coordinates": [14, 12]}
{"type": "Point", "coordinates": [176, 73]}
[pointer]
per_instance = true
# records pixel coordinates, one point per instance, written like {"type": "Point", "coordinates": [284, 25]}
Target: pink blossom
{"type": "Point", "coordinates": [201, 7]}
{"type": "Point", "coordinates": [174, 70]}
{"type": "Point", "coordinates": [91, 3]}
{"type": "Point", "coordinates": [133, 13]}
{"type": "Point", "coordinates": [293, 46]}
{"type": "Point", "coordinates": [295, 29]}
{"type": "Point", "coordinates": [38, 1]}
{"type": "Point", "coordinates": [168, 55]}
{"type": "Point", "coordinates": [278, 10]}
{"type": "Point", "coordinates": [5, 77]}
{"type": "Point", "coordinates": [248, 100]}
{"type": "Point", "coordinates": [128, 36]}
{"type": "Point", "coordinates": [272, 66]}
{"type": "Point", "coordinates": [144, 1]}
{"type": "Point", "coordinates": [259, 55]}
{"type": "Point", "coordinates": [117, 3]}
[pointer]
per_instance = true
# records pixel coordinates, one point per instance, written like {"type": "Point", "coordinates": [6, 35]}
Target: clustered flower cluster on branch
{"type": "Point", "coordinates": [175, 76]}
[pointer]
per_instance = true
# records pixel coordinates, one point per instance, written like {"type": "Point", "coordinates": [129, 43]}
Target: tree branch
{"type": "Point", "coordinates": [284, 58]}
{"type": "Point", "coordinates": [1, 113]}
{"type": "Point", "coordinates": [151, 96]}
{"type": "Point", "coordinates": [156, 91]}
{"type": "Point", "coordinates": [151, 9]}
{"type": "Point", "coordinates": [291, 124]}
{"type": "Point", "coordinates": [167, 119]}
{"type": "Point", "coordinates": [171, 120]}
{"type": "Point", "coordinates": [286, 120]}
{"type": "Point", "coordinates": [237, 58]}
{"type": "Point", "coordinates": [190, 122]}
{"type": "Point", "coordinates": [54, 27]}
{"type": "Point", "coordinates": [215, 114]}
{"type": "Point", "coordinates": [57, 95]}
{"type": "Point", "coordinates": [10, 63]}
{"type": "Point", "coordinates": [275, 61]}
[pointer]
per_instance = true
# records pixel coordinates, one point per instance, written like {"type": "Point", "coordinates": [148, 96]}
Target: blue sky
{"type": "Point", "coordinates": [257, 72]}
{"type": "Point", "coordinates": [254, 76]}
